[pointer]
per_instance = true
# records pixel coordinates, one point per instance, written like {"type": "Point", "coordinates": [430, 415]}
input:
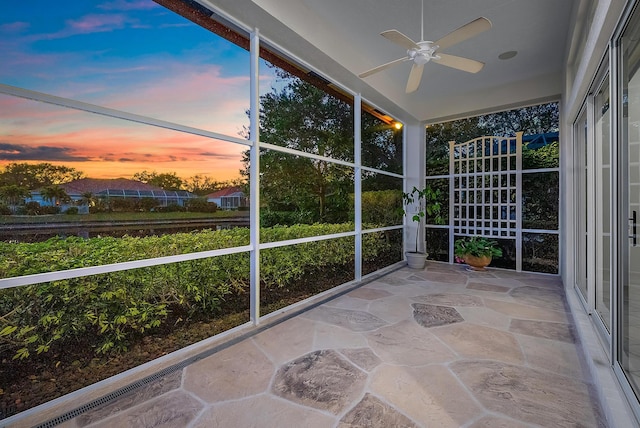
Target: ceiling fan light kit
{"type": "Point", "coordinates": [424, 54]}
{"type": "Point", "coordinates": [425, 51]}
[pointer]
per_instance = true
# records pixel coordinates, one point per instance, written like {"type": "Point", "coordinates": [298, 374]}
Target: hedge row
{"type": "Point", "coordinates": [111, 308]}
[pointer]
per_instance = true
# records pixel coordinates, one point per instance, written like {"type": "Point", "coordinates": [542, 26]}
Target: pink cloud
{"type": "Point", "coordinates": [96, 23]}
{"type": "Point", "coordinates": [92, 23]}
{"type": "Point", "coordinates": [127, 5]}
{"type": "Point", "coordinates": [14, 27]}
{"type": "Point", "coordinates": [198, 96]}
{"type": "Point", "coordinates": [184, 91]}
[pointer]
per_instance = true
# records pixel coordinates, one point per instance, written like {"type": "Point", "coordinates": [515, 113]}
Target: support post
{"type": "Point", "coordinates": [254, 184]}
{"type": "Point", "coordinates": [357, 135]}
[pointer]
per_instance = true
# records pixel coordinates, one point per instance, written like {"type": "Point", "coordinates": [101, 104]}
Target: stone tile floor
{"type": "Point", "coordinates": [441, 347]}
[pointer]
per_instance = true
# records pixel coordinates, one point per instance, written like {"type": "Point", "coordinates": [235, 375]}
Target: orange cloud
{"type": "Point", "coordinates": [104, 147]}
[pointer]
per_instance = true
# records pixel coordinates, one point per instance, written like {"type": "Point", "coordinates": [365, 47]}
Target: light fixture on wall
{"type": "Point", "coordinates": [397, 125]}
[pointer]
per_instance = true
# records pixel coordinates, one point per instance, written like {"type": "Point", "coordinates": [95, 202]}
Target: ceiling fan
{"type": "Point", "coordinates": [424, 51]}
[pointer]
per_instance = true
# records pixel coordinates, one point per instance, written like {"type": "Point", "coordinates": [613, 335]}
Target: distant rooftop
{"type": "Point", "coordinates": [97, 185]}
{"type": "Point", "coordinates": [225, 192]}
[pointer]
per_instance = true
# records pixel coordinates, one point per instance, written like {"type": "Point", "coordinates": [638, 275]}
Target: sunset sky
{"type": "Point", "coordinates": [131, 55]}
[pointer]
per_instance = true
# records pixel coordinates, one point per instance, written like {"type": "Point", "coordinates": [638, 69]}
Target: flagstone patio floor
{"type": "Point", "coordinates": [440, 347]}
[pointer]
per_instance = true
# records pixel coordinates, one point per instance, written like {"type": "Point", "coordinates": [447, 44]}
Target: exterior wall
{"type": "Point", "coordinates": [214, 200]}
{"type": "Point", "coordinates": [230, 202]}
{"type": "Point", "coordinates": [592, 32]}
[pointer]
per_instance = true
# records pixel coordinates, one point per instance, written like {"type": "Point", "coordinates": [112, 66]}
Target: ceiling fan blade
{"type": "Point", "coordinates": [459, 63]}
{"type": "Point", "coordinates": [400, 39]}
{"type": "Point", "coordinates": [382, 67]}
{"type": "Point", "coordinates": [414, 78]}
{"type": "Point", "coordinates": [465, 32]}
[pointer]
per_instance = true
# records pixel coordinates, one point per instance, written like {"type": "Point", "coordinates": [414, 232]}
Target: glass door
{"type": "Point", "coordinates": [629, 318]}
{"type": "Point", "coordinates": [602, 137]}
{"type": "Point", "coordinates": [581, 185]}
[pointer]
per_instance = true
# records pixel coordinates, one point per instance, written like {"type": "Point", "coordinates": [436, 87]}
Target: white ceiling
{"type": "Point", "coordinates": [341, 38]}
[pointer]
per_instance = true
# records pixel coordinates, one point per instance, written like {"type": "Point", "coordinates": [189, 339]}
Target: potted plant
{"type": "Point", "coordinates": [425, 202]}
{"type": "Point", "coordinates": [477, 251]}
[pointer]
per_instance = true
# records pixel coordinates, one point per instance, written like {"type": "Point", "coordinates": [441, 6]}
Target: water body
{"type": "Point", "coordinates": [41, 232]}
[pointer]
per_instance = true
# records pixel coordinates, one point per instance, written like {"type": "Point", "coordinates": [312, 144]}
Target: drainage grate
{"type": "Point", "coordinates": [151, 378]}
{"type": "Point", "coordinates": [113, 395]}
{"type": "Point", "coordinates": [145, 381]}
{"type": "Point", "coordinates": [8, 411]}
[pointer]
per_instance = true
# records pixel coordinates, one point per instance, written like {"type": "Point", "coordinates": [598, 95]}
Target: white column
{"type": "Point", "coordinates": [415, 171]}
{"type": "Point", "coordinates": [254, 185]}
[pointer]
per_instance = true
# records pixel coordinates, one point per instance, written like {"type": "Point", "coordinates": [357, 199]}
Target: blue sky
{"type": "Point", "coordinates": [132, 55]}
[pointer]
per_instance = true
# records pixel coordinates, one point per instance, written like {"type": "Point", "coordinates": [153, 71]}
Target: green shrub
{"type": "Point", "coordinates": [5, 210]}
{"type": "Point", "coordinates": [269, 218]}
{"type": "Point", "coordinates": [171, 208]}
{"type": "Point", "coordinates": [382, 207]}
{"type": "Point", "coordinates": [123, 204]}
{"type": "Point", "coordinates": [71, 210]}
{"type": "Point", "coordinates": [32, 208]}
{"type": "Point", "coordinates": [147, 204]}
{"type": "Point", "coordinates": [547, 156]}
{"type": "Point", "coordinates": [110, 310]}
{"type": "Point", "coordinates": [48, 209]}
{"type": "Point", "coordinates": [201, 205]}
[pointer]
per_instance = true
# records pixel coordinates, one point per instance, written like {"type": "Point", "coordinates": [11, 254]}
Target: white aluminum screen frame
{"type": "Point", "coordinates": [485, 188]}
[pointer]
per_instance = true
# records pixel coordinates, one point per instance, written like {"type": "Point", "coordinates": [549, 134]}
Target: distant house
{"type": "Point", "coordinates": [118, 188]}
{"type": "Point", "coordinates": [230, 198]}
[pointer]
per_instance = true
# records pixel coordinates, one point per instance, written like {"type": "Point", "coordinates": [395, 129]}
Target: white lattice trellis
{"type": "Point", "coordinates": [485, 189]}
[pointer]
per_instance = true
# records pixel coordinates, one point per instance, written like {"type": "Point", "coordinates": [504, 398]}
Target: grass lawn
{"type": "Point", "coordinates": [126, 216]}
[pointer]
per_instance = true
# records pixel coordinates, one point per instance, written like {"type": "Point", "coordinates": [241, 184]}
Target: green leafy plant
{"type": "Point", "coordinates": [477, 246]}
{"type": "Point", "coordinates": [426, 201]}
{"type": "Point", "coordinates": [415, 198]}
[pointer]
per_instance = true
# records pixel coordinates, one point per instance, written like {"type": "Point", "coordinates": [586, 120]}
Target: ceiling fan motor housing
{"type": "Point", "coordinates": [423, 55]}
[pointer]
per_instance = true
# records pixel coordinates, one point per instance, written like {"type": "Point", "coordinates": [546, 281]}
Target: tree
{"type": "Point", "coordinates": [88, 199]}
{"type": "Point", "coordinates": [202, 185]}
{"type": "Point", "coordinates": [381, 149]}
{"type": "Point", "coordinates": [537, 119]}
{"type": "Point", "coordinates": [303, 117]}
{"type": "Point", "coordinates": [34, 176]}
{"type": "Point", "coordinates": [14, 195]}
{"type": "Point", "coordinates": [438, 137]}
{"type": "Point", "coordinates": [166, 181]}
{"type": "Point", "coordinates": [54, 194]}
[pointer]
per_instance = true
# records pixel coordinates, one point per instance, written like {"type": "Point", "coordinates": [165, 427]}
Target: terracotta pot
{"type": "Point", "coordinates": [477, 263]}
